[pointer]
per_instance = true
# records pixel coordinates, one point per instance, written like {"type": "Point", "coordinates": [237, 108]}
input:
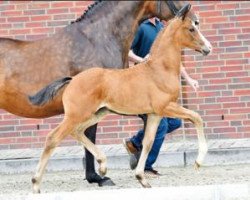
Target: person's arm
{"type": "Point", "coordinates": [192, 82]}
{"type": "Point", "coordinates": [134, 58]}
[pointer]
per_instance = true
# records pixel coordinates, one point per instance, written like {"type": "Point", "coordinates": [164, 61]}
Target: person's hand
{"type": "Point", "coordinates": [193, 83]}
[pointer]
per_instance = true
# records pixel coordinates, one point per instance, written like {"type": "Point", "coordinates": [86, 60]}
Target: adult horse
{"type": "Point", "coordinates": [100, 37]}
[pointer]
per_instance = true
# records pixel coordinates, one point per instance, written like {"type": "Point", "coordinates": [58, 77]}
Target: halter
{"type": "Point", "coordinates": [171, 7]}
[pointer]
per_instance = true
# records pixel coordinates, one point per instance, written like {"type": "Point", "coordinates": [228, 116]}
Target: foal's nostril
{"type": "Point", "coordinates": [205, 52]}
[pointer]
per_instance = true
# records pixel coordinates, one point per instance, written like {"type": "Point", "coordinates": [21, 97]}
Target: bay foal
{"type": "Point", "coordinates": [151, 87]}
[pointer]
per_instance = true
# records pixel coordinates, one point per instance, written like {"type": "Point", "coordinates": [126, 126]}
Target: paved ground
{"type": "Point", "coordinates": [179, 153]}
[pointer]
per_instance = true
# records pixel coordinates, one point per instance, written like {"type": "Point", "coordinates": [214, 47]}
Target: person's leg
{"type": "Point", "coordinates": [167, 125]}
{"type": "Point", "coordinates": [91, 175]}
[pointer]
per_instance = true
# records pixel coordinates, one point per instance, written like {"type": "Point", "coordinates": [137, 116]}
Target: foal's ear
{"type": "Point", "coordinates": [183, 11]}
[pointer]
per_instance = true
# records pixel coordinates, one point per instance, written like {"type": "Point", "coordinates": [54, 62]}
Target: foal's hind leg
{"type": "Point", "coordinates": [175, 110]}
{"type": "Point", "coordinates": [53, 139]}
{"type": "Point", "coordinates": [149, 136]}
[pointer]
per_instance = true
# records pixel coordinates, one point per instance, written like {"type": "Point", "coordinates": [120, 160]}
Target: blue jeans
{"type": "Point", "coordinates": [166, 125]}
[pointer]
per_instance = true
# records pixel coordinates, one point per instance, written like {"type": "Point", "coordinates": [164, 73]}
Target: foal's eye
{"type": "Point", "coordinates": [191, 30]}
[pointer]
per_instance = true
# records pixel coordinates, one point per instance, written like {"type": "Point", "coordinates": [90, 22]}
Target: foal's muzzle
{"type": "Point", "coordinates": [205, 50]}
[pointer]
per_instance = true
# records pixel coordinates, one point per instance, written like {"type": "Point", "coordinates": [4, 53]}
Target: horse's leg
{"type": "Point", "coordinates": [175, 110]}
{"type": "Point", "coordinates": [91, 175]}
{"type": "Point", "coordinates": [52, 141]}
{"type": "Point", "coordinates": [99, 155]}
{"type": "Point", "coordinates": [149, 136]}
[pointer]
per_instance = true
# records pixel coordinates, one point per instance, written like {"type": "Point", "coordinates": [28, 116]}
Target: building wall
{"type": "Point", "coordinates": [223, 99]}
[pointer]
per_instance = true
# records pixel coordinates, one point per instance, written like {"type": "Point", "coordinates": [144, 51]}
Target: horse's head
{"type": "Point", "coordinates": [168, 9]}
{"type": "Point", "coordinates": [187, 34]}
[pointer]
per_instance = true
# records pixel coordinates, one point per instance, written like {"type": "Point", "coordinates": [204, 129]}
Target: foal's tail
{"type": "Point", "coordinates": [49, 92]}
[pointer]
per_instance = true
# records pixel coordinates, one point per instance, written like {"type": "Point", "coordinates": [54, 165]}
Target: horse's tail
{"type": "Point", "coordinates": [49, 92]}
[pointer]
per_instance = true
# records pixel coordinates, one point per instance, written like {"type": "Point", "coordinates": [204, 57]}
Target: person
{"type": "Point", "coordinates": [144, 38]}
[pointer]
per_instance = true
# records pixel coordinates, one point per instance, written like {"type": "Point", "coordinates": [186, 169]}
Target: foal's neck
{"type": "Point", "coordinates": [166, 54]}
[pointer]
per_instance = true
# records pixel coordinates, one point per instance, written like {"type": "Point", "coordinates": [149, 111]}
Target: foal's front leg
{"type": "Point", "coordinates": [153, 122]}
{"type": "Point", "coordinates": [87, 143]}
{"type": "Point", "coordinates": [175, 110]}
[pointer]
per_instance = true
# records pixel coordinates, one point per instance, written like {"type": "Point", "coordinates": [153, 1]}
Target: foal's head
{"type": "Point", "coordinates": [187, 34]}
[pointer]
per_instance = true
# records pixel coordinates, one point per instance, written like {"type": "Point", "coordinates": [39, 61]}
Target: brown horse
{"type": "Point", "coordinates": [151, 87]}
{"type": "Point", "coordinates": [100, 37]}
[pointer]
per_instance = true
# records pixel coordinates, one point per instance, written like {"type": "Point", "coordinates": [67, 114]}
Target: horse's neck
{"type": "Point", "coordinates": [166, 57]}
{"type": "Point", "coordinates": [119, 17]}
{"type": "Point", "coordinates": [113, 26]}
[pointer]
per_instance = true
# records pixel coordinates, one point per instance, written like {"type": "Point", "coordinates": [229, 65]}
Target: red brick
{"type": "Point", "coordinates": [41, 18]}
{"type": "Point", "coordinates": [62, 4]}
{"type": "Point", "coordinates": [42, 30]}
{"type": "Point", "coordinates": [233, 55]}
{"type": "Point", "coordinates": [239, 110]}
{"type": "Point", "coordinates": [243, 24]}
{"type": "Point", "coordinates": [220, 81]}
{"type": "Point", "coordinates": [216, 20]}
{"type": "Point", "coordinates": [234, 105]}
{"type": "Point", "coordinates": [112, 129]}
{"type": "Point", "coordinates": [225, 5]}
{"type": "Point", "coordinates": [227, 99]}
{"type": "Point", "coordinates": [35, 24]}
{"type": "Point", "coordinates": [38, 5]}
{"type": "Point", "coordinates": [237, 62]}
{"type": "Point", "coordinates": [107, 135]}
{"type": "Point", "coordinates": [242, 92]}
{"type": "Point", "coordinates": [20, 31]}
{"type": "Point", "coordinates": [236, 74]}
{"type": "Point", "coordinates": [210, 14]}
{"type": "Point", "coordinates": [11, 13]}
{"type": "Point", "coordinates": [58, 11]}
{"type": "Point", "coordinates": [18, 19]}
{"type": "Point", "coordinates": [7, 140]}
{"type": "Point", "coordinates": [240, 18]}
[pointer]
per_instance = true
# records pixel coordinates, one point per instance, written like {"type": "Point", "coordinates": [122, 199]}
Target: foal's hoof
{"type": "Point", "coordinates": [143, 181]}
{"type": "Point", "coordinates": [106, 181]}
{"type": "Point", "coordinates": [102, 171]}
{"type": "Point", "coordinates": [35, 186]}
{"type": "Point", "coordinates": [197, 166]}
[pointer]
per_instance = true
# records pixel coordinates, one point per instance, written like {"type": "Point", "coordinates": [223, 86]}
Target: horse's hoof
{"type": "Point", "coordinates": [106, 181]}
{"type": "Point", "coordinates": [35, 186]}
{"type": "Point", "coordinates": [102, 171]}
{"type": "Point", "coordinates": [37, 192]}
{"type": "Point", "coordinates": [197, 166]}
{"type": "Point", "coordinates": [147, 185]}
{"type": "Point", "coordinates": [95, 178]}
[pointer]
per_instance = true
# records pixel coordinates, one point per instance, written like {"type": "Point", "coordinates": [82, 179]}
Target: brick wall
{"type": "Point", "coordinates": [223, 99]}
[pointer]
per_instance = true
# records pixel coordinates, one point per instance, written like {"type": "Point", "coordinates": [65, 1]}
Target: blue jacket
{"type": "Point", "coordinates": [145, 36]}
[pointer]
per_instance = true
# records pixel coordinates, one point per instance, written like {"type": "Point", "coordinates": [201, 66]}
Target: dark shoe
{"type": "Point", "coordinates": [131, 149]}
{"type": "Point", "coordinates": [133, 152]}
{"type": "Point", "coordinates": [151, 173]}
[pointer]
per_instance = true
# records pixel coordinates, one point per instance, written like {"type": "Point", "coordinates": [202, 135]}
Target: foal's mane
{"type": "Point", "coordinates": [161, 34]}
{"type": "Point", "coordinates": [90, 10]}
